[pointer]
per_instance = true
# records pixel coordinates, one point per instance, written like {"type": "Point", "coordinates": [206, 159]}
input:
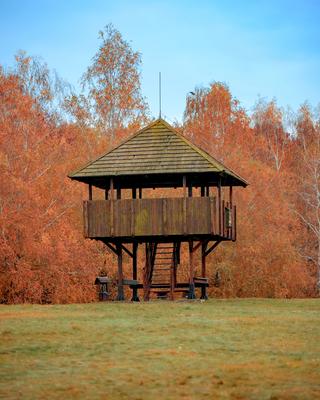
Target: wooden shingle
{"type": "Point", "coordinates": [156, 149]}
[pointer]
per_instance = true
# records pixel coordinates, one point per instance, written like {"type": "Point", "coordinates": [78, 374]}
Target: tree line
{"type": "Point", "coordinates": [48, 129]}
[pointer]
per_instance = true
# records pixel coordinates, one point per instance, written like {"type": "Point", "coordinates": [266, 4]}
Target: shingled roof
{"type": "Point", "coordinates": [156, 149]}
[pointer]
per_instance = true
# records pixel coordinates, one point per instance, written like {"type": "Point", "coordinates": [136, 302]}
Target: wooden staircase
{"type": "Point", "coordinates": [161, 270]}
{"type": "Point", "coordinates": [163, 266]}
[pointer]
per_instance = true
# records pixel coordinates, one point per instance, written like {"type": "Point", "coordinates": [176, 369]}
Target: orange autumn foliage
{"type": "Point", "coordinates": [43, 255]}
{"type": "Point", "coordinates": [265, 260]}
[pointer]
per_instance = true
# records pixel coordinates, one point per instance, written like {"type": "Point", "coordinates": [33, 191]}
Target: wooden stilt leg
{"type": "Point", "coordinates": [135, 296]}
{"type": "Point", "coordinates": [203, 270]}
{"type": "Point", "coordinates": [146, 278]}
{"type": "Point", "coordinates": [120, 296]}
{"type": "Point", "coordinates": [191, 294]}
{"type": "Point", "coordinates": [172, 273]}
{"type": "Point", "coordinates": [176, 262]}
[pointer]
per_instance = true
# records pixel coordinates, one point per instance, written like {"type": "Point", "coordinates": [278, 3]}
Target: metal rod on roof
{"type": "Point", "coordinates": [159, 94]}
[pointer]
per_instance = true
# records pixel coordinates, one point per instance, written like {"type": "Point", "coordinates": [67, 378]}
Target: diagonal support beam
{"type": "Point", "coordinates": [210, 249]}
{"type": "Point", "coordinates": [111, 247]}
{"type": "Point", "coordinates": [196, 247]}
{"type": "Point", "coordinates": [127, 250]}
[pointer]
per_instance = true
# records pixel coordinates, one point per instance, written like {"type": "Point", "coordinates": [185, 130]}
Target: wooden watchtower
{"type": "Point", "coordinates": [203, 214]}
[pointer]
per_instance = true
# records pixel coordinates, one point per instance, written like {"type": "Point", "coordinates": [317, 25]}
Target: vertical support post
{"type": "Point", "coordinates": [146, 278]}
{"type": "Point", "coordinates": [118, 193]}
{"type": "Point", "coordinates": [219, 201]}
{"type": "Point", "coordinates": [111, 207]}
{"type": "Point", "coordinates": [190, 190]}
{"type": "Point", "coordinates": [175, 264]}
{"type": "Point", "coordinates": [202, 191]}
{"type": "Point", "coordinates": [120, 296]}
{"type": "Point", "coordinates": [203, 270]}
{"type": "Point", "coordinates": [207, 191]}
{"type": "Point", "coordinates": [234, 238]}
{"type": "Point", "coordinates": [231, 212]}
{"type": "Point", "coordinates": [140, 193]}
{"type": "Point", "coordinates": [135, 296]}
{"type": "Point", "coordinates": [134, 193]}
{"type": "Point", "coordinates": [191, 294]}
{"type": "Point", "coordinates": [90, 191]}
{"type": "Point", "coordinates": [223, 219]}
{"type": "Point", "coordinates": [172, 272]}
{"type": "Point", "coordinates": [176, 261]}
{"type": "Point", "coordinates": [184, 184]}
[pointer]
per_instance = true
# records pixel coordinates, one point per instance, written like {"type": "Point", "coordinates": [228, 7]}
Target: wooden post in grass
{"type": "Point", "coordinates": [120, 296]}
{"type": "Point", "coordinates": [134, 271]}
{"type": "Point", "coordinates": [191, 293]}
{"type": "Point", "coordinates": [203, 270]}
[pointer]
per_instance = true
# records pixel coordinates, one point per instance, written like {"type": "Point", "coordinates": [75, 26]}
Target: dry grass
{"type": "Point", "coordinates": [221, 349]}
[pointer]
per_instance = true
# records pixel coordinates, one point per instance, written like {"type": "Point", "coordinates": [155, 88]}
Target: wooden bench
{"type": "Point", "coordinates": [200, 281]}
{"type": "Point", "coordinates": [130, 282]}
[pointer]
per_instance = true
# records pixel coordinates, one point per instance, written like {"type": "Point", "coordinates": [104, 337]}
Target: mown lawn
{"type": "Point", "coordinates": [220, 349]}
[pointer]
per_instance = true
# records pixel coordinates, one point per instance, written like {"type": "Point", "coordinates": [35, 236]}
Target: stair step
{"type": "Point", "coordinates": [161, 291]}
{"type": "Point", "coordinates": [159, 285]}
{"type": "Point", "coordinates": [155, 264]}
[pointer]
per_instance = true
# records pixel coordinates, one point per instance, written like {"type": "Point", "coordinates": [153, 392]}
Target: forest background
{"type": "Point", "coordinates": [47, 129]}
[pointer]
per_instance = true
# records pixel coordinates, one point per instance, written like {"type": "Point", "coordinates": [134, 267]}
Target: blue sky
{"type": "Point", "coordinates": [259, 48]}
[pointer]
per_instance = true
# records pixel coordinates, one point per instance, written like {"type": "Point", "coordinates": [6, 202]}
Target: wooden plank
{"type": "Point", "coordinates": [132, 219]}
{"type": "Point", "coordinates": [184, 184]}
{"type": "Point", "coordinates": [130, 282]}
{"type": "Point", "coordinates": [85, 219]}
{"type": "Point", "coordinates": [212, 215]}
{"type": "Point", "coordinates": [164, 216]}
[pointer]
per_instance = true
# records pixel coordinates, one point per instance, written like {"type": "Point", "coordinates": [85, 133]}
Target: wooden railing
{"type": "Point", "coordinates": [159, 217]}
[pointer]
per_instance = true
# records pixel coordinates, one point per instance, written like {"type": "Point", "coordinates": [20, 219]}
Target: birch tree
{"type": "Point", "coordinates": [308, 173]}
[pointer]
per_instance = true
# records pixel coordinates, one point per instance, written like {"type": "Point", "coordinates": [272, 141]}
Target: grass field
{"type": "Point", "coordinates": [220, 349]}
